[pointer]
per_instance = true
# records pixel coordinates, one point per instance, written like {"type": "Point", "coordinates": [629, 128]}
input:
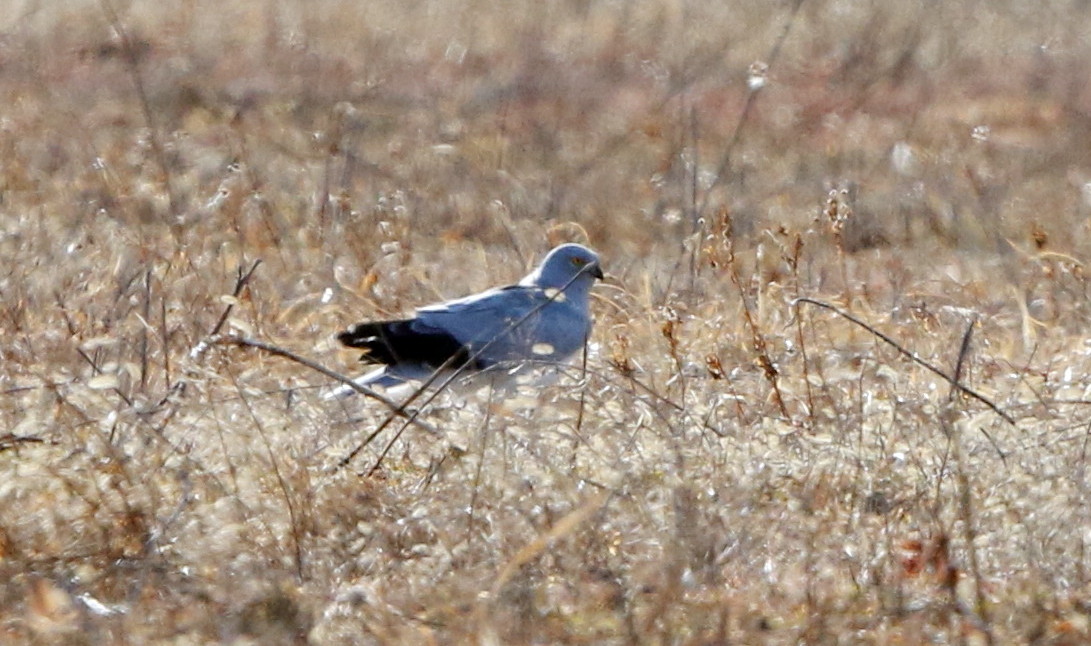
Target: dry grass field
{"type": "Point", "coordinates": [730, 465]}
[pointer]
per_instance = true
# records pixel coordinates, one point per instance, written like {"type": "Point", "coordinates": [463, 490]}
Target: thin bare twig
{"type": "Point", "coordinates": [479, 471]}
{"type": "Point", "coordinates": [757, 339]}
{"type": "Point", "coordinates": [747, 109]}
{"type": "Point", "coordinates": [282, 482]}
{"type": "Point", "coordinates": [132, 61]}
{"type": "Point", "coordinates": [965, 494]}
{"type": "Point", "coordinates": [144, 330]}
{"type": "Point", "coordinates": [396, 409]}
{"type": "Point", "coordinates": [165, 336]}
{"type": "Point", "coordinates": [793, 263]}
{"type": "Point", "coordinates": [241, 280]}
{"type": "Point", "coordinates": [583, 404]}
{"type": "Point", "coordinates": [912, 356]}
{"type": "Point", "coordinates": [11, 441]}
{"type": "Point", "coordinates": [963, 353]}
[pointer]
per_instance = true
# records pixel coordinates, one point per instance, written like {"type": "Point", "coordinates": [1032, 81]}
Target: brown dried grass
{"type": "Point", "coordinates": [728, 469]}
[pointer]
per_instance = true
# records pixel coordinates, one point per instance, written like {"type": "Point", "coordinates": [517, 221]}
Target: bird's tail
{"type": "Point", "coordinates": [377, 377]}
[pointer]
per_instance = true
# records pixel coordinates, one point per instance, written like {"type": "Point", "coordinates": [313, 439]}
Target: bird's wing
{"type": "Point", "coordinates": [515, 323]}
{"type": "Point", "coordinates": [493, 325]}
{"type": "Point", "coordinates": [407, 341]}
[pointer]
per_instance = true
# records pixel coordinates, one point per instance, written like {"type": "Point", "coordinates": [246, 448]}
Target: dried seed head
{"type": "Point", "coordinates": [838, 208]}
{"type": "Point", "coordinates": [715, 368]}
{"type": "Point", "coordinates": [1040, 237]}
{"type": "Point", "coordinates": [619, 355]}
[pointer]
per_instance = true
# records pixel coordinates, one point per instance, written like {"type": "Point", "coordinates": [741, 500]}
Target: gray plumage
{"type": "Point", "coordinates": [544, 317]}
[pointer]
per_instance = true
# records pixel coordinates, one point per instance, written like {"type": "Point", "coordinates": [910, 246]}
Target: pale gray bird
{"type": "Point", "coordinates": [544, 317]}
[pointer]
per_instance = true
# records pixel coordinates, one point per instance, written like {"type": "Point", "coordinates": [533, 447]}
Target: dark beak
{"type": "Point", "coordinates": [596, 271]}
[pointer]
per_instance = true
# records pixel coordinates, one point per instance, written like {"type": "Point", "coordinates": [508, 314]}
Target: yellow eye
{"type": "Point", "coordinates": [579, 262]}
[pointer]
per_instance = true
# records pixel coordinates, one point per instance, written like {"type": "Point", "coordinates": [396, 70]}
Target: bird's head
{"type": "Point", "coordinates": [567, 266]}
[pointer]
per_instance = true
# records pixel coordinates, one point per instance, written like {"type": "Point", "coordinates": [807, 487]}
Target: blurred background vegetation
{"type": "Point", "coordinates": [923, 164]}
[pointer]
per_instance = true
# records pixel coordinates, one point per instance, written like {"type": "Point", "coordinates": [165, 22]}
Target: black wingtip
{"type": "Point", "coordinates": [356, 336]}
{"type": "Point", "coordinates": [391, 342]}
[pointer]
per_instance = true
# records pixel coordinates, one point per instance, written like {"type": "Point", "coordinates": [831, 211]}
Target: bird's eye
{"type": "Point", "coordinates": [579, 262]}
